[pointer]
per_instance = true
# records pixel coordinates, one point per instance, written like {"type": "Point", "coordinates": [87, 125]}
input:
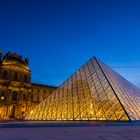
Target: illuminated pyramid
{"type": "Point", "coordinates": [94, 92]}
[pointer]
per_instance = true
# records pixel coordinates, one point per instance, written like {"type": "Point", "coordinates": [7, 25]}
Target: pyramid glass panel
{"type": "Point", "coordinates": [94, 92]}
{"type": "Point", "coordinates": [128, 94]}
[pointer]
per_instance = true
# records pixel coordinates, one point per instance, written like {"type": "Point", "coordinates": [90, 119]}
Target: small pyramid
{"type": "Point", "coordinates": [94, 92]}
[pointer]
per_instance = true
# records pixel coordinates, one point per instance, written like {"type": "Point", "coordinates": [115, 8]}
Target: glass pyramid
{"type": "Point", "coordinates": [94, 92]}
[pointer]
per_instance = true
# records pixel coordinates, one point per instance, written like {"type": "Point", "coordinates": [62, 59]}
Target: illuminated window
{"type": "Point", "coordinates": [2, 97]}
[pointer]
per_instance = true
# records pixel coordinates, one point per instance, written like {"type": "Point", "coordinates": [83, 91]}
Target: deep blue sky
{"type": "Point", "coordinates": [61, 35]}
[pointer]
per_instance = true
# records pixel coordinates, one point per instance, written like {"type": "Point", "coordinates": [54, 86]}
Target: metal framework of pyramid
{"type": "Point", "coordinates": [94, 92]}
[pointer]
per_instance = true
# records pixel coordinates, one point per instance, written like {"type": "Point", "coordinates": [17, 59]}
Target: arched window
{"type": "Point", "coordinates": [25, 78]}
{"type": "Point", "coordinates": [5, 75]}
{"type": "Point", "coordinates": [14, 96]}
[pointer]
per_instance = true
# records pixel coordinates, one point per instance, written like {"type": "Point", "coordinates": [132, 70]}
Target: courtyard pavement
{"type": "Point", "coordinates": [116, 131]}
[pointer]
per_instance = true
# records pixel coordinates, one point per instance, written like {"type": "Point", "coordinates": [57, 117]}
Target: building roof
{"type": "Point", "coordinates": [15, 60]}
{"type": "Point", "coordinates": [42, 85]}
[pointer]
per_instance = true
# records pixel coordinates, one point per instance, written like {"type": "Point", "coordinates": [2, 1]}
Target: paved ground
{"type": "Point", "coordinates": [93, 132]}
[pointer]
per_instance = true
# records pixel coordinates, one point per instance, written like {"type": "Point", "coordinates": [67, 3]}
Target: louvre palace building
{"type": "Point", "coordinates": [18, 95]}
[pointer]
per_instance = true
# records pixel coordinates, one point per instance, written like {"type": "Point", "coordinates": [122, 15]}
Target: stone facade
{"type": "Point", "coordinates": [17, 94]}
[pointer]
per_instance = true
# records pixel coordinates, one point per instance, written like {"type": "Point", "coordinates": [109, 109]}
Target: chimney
{"type": "Point", "coordinates": [27, 61]}
{"type": "Point", "coordinates": [0, 55]}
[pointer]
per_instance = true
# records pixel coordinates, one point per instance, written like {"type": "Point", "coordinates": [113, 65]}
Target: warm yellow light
{"type": "Point", "coordinates": [2, 97]}
{"type": "Point", "coordinates": [91, 112]}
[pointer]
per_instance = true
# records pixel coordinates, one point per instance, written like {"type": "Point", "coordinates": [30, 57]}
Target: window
{"type": "Point", "coordinates": [25, 78]}
{"type": "Point", "coordinates": [2, 97]}
{"type": "Point", "coordinates": [5, 75]}
{"type": "Point", "coordinates": [32, 97]}
{"type": "Point", "coordinates": [24, 96]}
{"type": "Point", "coordinates": [15, 76]}
{"type": "Point", "coordinates": [37, 99]}
{"type": "Point", "coordinates": [14, 96]}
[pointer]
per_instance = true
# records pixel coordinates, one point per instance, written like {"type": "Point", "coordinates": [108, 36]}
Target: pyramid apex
{"type": "Point", "coordinates": [94, 57]}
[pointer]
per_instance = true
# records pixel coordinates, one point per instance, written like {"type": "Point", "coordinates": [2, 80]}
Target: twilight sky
{"type": "Point", "coordinates": [61, 35]}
